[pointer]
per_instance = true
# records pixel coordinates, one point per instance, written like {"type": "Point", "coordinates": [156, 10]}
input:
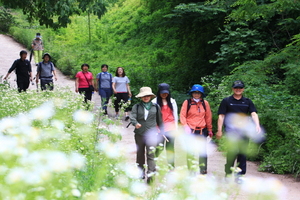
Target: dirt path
{"type": "Point", "coordinates": [9, 51]}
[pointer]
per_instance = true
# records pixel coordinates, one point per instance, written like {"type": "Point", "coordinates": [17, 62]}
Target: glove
{"type": "Point", "coordinates": [210, 134]}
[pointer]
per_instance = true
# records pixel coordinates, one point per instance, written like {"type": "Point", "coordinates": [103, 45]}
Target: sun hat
{"type": "Point", "coordinates": [145, 91]}
{"type": "Point", "coordinates": [198, 88]}
{"type": "Point", "coordinates": [238, 84]}
{"type": "Point", "coordinates": [38, 35]}
{"type": "Point", "coordinates": [164, 88]}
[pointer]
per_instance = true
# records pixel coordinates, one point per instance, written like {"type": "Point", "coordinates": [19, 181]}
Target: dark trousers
{"type": "Point", "coordinates": [22, 85]}
{"type": "Point", "coordinates": [237, 151]}
{"type": "Point", "coordinates": [87, 93]}
{"type": "Point", "coordinates": [169, 147]}
{"type": "Point", "coordinates": [119, 97]}
{"type": "Point", "coordinates": [47, 84]}
{"type": "Point", "coordinates": [143, 144]}
{"type": "Point", "coordinates": [105, 94]}
{"type": "Point", "coordinates": [203, 155]}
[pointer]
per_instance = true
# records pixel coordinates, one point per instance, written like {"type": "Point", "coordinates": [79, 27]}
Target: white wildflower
{"type": "Point", "coordinates": [83, 116]}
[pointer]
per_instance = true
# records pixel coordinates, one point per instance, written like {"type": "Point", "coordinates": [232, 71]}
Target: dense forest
{"type": "Point", "coordinates": [183, 42]}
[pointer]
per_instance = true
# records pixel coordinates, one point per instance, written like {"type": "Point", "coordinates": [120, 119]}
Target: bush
{"type": "Point", "coordinates": [6, 19]}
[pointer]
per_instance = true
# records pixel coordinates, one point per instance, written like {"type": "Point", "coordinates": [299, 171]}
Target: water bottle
{"type": "Point", "coordinates": [129, 100]}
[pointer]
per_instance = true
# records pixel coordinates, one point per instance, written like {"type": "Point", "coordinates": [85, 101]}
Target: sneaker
{"type": "Point", "coordinates": [127, 118]}
{"type": "Point", "coordinates": [117, 116]}
{"type": "Point", "coordinates": [105, 112]}
{"type": "Point", "coordinates": [203, 172]}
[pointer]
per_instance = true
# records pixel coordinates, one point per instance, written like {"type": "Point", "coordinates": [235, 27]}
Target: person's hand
{"type": "Point", "coordinates": [30, 79]}
{"type": "Point", "coordinates": [219, 134]}
{"type": "Point", "coordinates": [55, 78]}
{"type": "Point", "coordinates": [187, 129]}
{"type": "Point", "coordinates": [258, 129]}
{"type": "Point", "coordinates": [137, 126]}
{"type": "Point", "coordinates": [210, 134]}
{"type": "Point", "coordinates": [76, 90]}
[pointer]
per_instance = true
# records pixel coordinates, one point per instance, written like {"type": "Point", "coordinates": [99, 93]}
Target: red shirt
{"type": "Point", "coordinates": [82, 82]}
{"type": "Point", "coordinates": [168, 118]}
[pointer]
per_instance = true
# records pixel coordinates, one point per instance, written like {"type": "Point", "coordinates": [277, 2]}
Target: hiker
{"type": "Point", "coordinates": [169, 111]}
{"type": "Point", "coordinates": [104, 84]}
{"type": "Point", "coordinates": [84, 83]}
{"type": "Point", "coordinates": [45, 72]}
{"type": "Point", "coordinates": [146, 117]}
{"type": "Point", "coordinates": [23, 71]}
{"type": "Point", "coordinates": [38, 48]}
{"type": "Point", "coordinates": [196, 118]}
{"type": "Point", "coordinates": [121, 89]}
{"type": "Point", "coordinates": [231, 112]}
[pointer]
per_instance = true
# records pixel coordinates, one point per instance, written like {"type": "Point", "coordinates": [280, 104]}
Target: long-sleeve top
{"type": "Point", "coordinates": [153, 121]}
{"type": "Point", "coordinates": [197, 117]}
{"type": "Point", "coordinates": [23, 69]}
{"type": "Point", "coordinates": [175, 110]}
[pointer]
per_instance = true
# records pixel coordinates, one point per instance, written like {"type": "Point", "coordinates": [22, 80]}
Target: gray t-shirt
{"type": "Point", "coordinates": [45, 70]}
{"type": "Point", "coordinates": [105, 79]}
{"type": "Point", "coordinates": [121, 83]}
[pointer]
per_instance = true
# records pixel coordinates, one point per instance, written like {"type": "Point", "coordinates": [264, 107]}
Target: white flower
{"type": "Point", "coordinates": [44, 112]}
{"type": "Point", "coordinates": [111, 150]}
{"type": "Point", "coordinates": [76, 193]}
{"type": "Point", "coordinates": [83, 116]}
{"type": "Point", "coordinates": [138, 188]}
{"type": "Point", "coordinates": [77, 160]}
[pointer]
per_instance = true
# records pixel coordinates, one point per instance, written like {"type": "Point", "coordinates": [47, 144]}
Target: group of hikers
{"type": "Point", "coordinates": [155, 117]}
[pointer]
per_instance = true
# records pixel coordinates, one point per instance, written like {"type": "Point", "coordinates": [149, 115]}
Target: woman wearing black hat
{"type": "Point", "coordinates": [170, 118]}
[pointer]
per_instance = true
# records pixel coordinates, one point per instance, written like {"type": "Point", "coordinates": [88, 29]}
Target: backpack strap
{"type": "Point", "coordinates": [189, 105]}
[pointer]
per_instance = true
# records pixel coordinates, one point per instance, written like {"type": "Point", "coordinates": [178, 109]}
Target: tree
{"type": "Point", "coordinates": [56, 13]}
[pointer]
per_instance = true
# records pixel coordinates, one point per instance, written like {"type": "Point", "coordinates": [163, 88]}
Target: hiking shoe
{"type": "Point", "coordinates": [203, 172]}
{"type": "Point", "coordinates": [127, 118]}
{"type": "Point", "coordinates": [116, 116]}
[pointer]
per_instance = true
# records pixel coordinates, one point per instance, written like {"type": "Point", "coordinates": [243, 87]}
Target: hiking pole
{"type": "Point", "coordinates": [166, 138]}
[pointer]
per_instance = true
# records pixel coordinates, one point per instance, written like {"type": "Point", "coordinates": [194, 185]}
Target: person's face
{"type": "Point", "coordinates": [164, 95]}
{"type": "Point", "coordinates": [196, 95]}
{"type": "Point", "coordinates": [46, 58]}
{"type": "Point", "coordinates": [23, 56]}
{"type": "Point", "coordinates": [238, 90]}
{"type": "Point", "coordinates": [120, 71]}
{"type": "Point", "coordinates": [146, 99]}
{"type": "Point", "coordinates": [85, 68]}
{"type": "Point", "coordinates": [104, 69]}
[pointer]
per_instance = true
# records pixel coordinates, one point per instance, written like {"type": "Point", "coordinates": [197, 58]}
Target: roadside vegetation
{"type": "Point", "coordinates": [182, 43]}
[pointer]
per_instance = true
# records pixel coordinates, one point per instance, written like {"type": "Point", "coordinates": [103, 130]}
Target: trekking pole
{"type": "Point", "coordinates": [165, 138]}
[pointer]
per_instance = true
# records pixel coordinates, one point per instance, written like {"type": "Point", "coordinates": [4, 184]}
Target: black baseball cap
{"type": "Point", "coordinates": [164, 88]}
{"type": "Point", "coordinates": [238, 84]}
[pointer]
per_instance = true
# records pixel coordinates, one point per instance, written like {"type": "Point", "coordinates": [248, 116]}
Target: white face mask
{"type": "Point", "coordinates": [197, 100]}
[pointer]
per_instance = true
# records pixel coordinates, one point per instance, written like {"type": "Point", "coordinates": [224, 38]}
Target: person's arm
{"type": "Point", "coordinates": [76, 84]}
{"type": "Point", "coordinates": [133, 117]}
{"type": "Point", "coordinates": [12, 68]}
{"type": "Point", "coordinates": [128, 89]}
{"type": "Point", "coordinates": [220, 126]}
{"type": "Point", "coordinates": [208, 118]}
{"type": "Point", "coordinates": [97, 84]}
{"type": "Point", "coordinates": [114, 87]}
{"type": "Point", "coordinates": [256, 121]}
{"type": "Point", "coordinates": [54, 73]}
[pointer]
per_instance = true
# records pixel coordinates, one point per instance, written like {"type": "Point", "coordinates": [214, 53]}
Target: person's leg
{"type": "Point", "coordinates": [23, 85]}
{"type": "Point", "coordinates": [43, 84]}
{"type": "Point", "coordinates": [140, 153]}
{"type": "Point", "coordinates": [203, 151]}
{"type": "Point", "coordinates": [170, 150]}
{"type": "Point", "coordinates": [231, 155]}
{"type": "Point", "coordinates": [40, 55]}
{"type": "Point", "coordinates": [102, 94]}
{"type": "Point", "coordinates": [116, 102]}
{"type": "Point", "coordinates": [160, 145]}
{"type": "Point", "coordinates": [36, 56]}
{"type": "Point", "coordinates": [241, 157]}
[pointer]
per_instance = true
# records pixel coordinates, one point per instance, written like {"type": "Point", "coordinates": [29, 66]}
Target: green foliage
{"type": "Point", "coordinates": [6, 19]}
{"type": "Point", "coordinates": [56, 13]}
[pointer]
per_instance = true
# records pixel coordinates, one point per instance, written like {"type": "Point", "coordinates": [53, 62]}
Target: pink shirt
{"type": "Point", "coordinates": [168, 118]}
{"type": "Point", "coordinates": [82, 82]}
